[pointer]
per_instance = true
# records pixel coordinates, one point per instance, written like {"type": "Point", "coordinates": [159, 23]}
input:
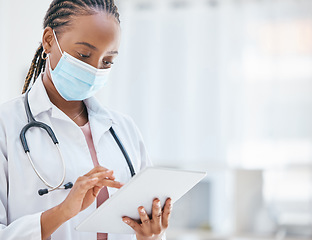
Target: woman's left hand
{"type": "Point", "coordinates": [151, 228]}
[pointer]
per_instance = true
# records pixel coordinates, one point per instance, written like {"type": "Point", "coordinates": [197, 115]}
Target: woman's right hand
{"type": "Point", "coordinates": [86, 189]}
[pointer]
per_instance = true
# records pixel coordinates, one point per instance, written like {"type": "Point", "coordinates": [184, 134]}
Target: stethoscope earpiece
{"type": "Point", "coordinates": [43, 191]}
{"type": "Point", "coordinates": [68, 185]}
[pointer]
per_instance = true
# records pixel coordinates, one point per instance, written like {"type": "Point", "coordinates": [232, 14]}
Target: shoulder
{"type": "Point", "coordinates": [119, 119]}
{"type": "Point", "coordinates": [123, 122]}
{"type": "Point", "coordinates": [12, 105]}
{"type": "Point", "coordinates": [12, 109]}
{"type": "Point", "coordinates": [11, 119]}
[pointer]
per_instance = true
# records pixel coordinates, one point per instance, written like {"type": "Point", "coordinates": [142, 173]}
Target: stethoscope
{"type": "Point", "coordinates": [33, 123]}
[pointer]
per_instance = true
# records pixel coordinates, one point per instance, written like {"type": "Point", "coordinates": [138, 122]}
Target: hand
{"type": "Point", "coordinates": [151, 228]}
{"type": "Point", "coordinates": [86, 189]}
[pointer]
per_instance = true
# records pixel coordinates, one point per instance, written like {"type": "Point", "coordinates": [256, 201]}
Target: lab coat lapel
{"type": "Point", "coordinates": [39, 101]}
{"type": "Point", "coordinates": [100, 121]}
{"type": "Point", "coordinates": [38, 98]}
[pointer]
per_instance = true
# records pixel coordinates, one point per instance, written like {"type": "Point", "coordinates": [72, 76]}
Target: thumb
{"type": "Point", "coordinates": [96, 191]}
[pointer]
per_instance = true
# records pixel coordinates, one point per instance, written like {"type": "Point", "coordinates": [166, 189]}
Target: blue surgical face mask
{"type": "Point", "coordinates": [76, 80]}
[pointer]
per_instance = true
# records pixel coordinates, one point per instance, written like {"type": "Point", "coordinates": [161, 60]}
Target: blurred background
{"type": "Point", "coordinates": [222, 86]}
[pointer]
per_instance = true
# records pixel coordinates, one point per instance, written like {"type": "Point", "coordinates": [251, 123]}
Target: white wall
{"type": "Point", "coordinates": [21, 29]}
{"type": "Point", "coordinates": [217, 84]}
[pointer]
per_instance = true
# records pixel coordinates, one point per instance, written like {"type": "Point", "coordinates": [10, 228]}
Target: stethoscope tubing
{"type": "Point", "coordinates": [33, 123]}
{"type": "Point", "coordinates": [124, 152]}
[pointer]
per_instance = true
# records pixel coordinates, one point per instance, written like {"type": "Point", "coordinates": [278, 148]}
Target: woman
{"type": "Point", "coordinates": [79, 43]}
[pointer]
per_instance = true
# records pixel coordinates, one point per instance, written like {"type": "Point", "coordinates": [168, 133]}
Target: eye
{"type": "Point", "coordinates": [83, 55]}
{"type": "Point", "coordinates": [107, 64]}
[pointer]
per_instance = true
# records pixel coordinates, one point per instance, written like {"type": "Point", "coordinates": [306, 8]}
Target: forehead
{"type": "Point", "coordinates": [101, 30]}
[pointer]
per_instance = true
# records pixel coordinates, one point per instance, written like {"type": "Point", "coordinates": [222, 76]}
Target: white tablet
{"type": "Point", "coordinates": [141, 190]}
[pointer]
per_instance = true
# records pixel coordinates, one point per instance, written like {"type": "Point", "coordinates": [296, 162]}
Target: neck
{"type": "Point", "coordinates": [70, 108]}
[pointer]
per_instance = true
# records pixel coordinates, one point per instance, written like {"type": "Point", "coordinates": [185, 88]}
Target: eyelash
{"type": "Point", "coordinates": [83, 56]}
{"type": "Point", "coordinates": [107, 62]}
{"type": "Point", "coordinates": [87, 56]}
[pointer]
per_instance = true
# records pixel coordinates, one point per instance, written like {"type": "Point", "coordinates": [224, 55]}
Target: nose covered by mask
{"type": "Point", "coordinates": [76, 80]}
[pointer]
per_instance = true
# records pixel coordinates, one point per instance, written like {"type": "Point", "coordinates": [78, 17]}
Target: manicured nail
{"type": "Point", "coordinates": [126, 221]}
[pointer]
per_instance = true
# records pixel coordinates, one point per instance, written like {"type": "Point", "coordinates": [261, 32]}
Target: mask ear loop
{"type": "Point", "coordinates": [48, 55]}
{"type": "Point", "coordinates": [49, 61]}
{"type": "Point", "coordinates": [57, 42]}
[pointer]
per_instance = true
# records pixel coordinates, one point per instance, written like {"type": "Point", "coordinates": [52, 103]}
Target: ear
{"type": "Point", "coordinates": [47, 39]}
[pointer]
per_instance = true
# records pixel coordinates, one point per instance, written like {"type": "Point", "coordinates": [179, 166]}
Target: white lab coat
{"type": "Point", "coordinates": [20, 204]}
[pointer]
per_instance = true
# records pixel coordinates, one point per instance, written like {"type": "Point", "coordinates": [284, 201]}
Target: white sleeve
{"type": "Point", "coordinates": [27, 227]}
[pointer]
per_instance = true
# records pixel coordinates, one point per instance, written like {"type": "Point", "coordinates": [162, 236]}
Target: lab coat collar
{"type": "Point", "coordinates": [38, 98]}
{"type": "Point", "coordinates": [99, 117]}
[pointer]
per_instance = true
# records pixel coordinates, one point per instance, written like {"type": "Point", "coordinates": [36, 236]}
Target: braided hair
{"type": "Point", "coordinates": [59, 15]}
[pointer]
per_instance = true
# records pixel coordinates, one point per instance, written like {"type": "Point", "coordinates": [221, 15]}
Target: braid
{"type": "Point", "coordinates": [40, 66]}
{"type": "Point", "coordinates": [33, 67]}
{"type": "Point", "coordinates": [108, 6]}
{"type": "Point", "coordinates": [59, 15]}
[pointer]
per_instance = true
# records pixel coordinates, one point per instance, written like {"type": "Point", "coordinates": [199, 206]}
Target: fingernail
{"type": "Point", "coordinates": [126, 220]}
{"type": "Point", "coordinates": [142, 210]}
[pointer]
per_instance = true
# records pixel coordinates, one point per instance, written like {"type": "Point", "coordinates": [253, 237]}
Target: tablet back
{"type": "Point", "coordinates": [141, 190]}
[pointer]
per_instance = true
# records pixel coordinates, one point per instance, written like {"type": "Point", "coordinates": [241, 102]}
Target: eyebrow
{"type": "Point", "coordinates": [87, 44]}
{"type": "Point", "coordinates": [113, 52]}
{"type": "Point", "coordinates": [94, 48]}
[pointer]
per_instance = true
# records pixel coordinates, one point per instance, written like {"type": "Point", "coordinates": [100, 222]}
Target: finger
{"type": "Point", "coordinates": [96, 170]}
{"type": "Point", "coordinates": [146, 223]}
{"type": "Point", "coordinates": [103, 175]}
{"type": "Point", "coordinates": [96, 190]}
{"type": "Point", "coordinates": [109, 183]}
{"type": "Point", "coordinates": [83, 184]}
{"type": "Point", "coordinates": [133, 224]}
{"type": "Point", "coordinates": [156, 217]}
{"type": "Point", "coordinates": [166, 213]}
